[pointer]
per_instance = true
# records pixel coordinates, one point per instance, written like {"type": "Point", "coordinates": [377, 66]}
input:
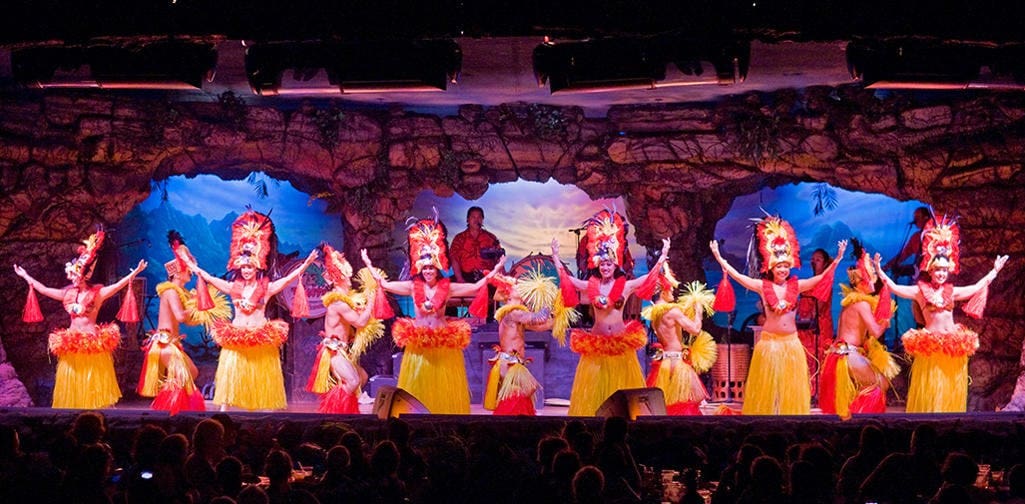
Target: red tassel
{"type": "Point", "coordinates": [824, 289]}
{"type": "Point", "coordinates": [31, 314]}
{"type": "Point", "coordinates": [569, 293]}
{"type": "Point", "coordinates": [884, 309]}
{"type": "Point", "coordinates": [977, 303]}
{"type": "Point", "coordinates": [725, 299]}
{"type": "Point", "coordinates": [129, 312]}
{"type": "Point", "coordinates": [647, 287]}
{"type": "Point", "coordinates": [203, 300]}
{"type": "Point", "coordinates": [382, 309]}
{"type": "Point", "coordinates": [300, 305]}
{"type": "Point", "coordinates": [656, 367]}
{"type": "Point", "coordinates": [479, 306]}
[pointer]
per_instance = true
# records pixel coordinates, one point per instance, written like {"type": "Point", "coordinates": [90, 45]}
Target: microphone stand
{"type": "Point", "coordinates": [815, 351]}
{"type": "Point", "coordinates": [730, 317]}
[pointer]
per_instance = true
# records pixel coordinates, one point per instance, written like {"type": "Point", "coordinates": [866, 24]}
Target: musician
{"type": "Point", "coordinates": [475, 251]}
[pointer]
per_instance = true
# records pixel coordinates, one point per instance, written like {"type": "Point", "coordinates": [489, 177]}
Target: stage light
{"type": "Point", "coordinates": [352, 67]}
{"type": "Point", "coordinates": [929, 64]}
{"type": "Point", "coordinates": [170, 65]}
{"type": "Point", "coordinates": [639, 62]}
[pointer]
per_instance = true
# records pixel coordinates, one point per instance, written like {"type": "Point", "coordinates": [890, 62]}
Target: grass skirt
{"type": "Point", "coordinates": [607, 364]}
{"type": "Point", "coordinates": [85, 379]}
{"type": "Point", "coordinates": [841, 396]}
{"type": "Point", "coordinates": [777, 379]}
{"type": "Point", "coordinates": [339, 402]}
{"type": "Point", "coordinates": [512, 394]}
{"type": "Point", "coordinates": [939, 379]}
{"type": "Point", "coordinates": [681, 385]}
{"type": "Point", "coordinates": [436, 375]}
{"type": "Point", "coordinates": [250, 376]}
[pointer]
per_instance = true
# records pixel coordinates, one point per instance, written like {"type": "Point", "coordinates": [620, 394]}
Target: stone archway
{"type": "Point", "coordinates": [69, 160]}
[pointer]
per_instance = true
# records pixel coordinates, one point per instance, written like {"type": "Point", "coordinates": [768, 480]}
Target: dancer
{"type": "Point", "coordinates": [168, 374]}
{"type": "Point", "coordinates": [815, 322]}
{"type": "Point", "coordinates": [940, 351]}
{"type": "Point", "coordinates": [608, 353]}
{"type": "Point", "coordinates": [777, 380]}
{"type": "Point", "coordinates": [249, 368]}
{"type": "Point", "coordinates": [349, 329]}
{"type": "Point", "coordinates": [433, 369]}
{"type": "Point", "coordinates": [857, 370]}
{"type": "Point", "coordinates": [531, 303]}
{"type": "Point", "coordinates": [85, 363]}
{"type": "Point", "coordinates": [683, 350]}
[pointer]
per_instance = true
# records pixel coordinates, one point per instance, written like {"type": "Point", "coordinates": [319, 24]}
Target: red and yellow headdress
{"type": "Point", "coordinates": [606, 238]}
{"type": "Point", "coordinates": [863, 271]}
{"type": "Point", "coordinates": [82, 266]}
{"type": "Point", "coordinates": [777, 243]}
{"type": "Point", "coordinates": [251, 236]}
{"type": "Point", "coordinates": [181, 254]}
{"type": "Point", "coordinates": [427, 245]}
{"type": "Point", "coordinates": [941, 245]}
{"type": "Point", "coordinates": [336, 267]}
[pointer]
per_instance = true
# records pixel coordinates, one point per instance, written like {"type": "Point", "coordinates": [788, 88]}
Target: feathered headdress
{"type": "Point", "coordinates": [336, 267]}
{"type": "Point", "coordinates": [82, 266]}
{"type": "Point", "coordinates": [941, 245]}
{"type": "Point", "coordinates": [251, 236]}
{"type": "Point", "coordinates": [777, 243]}
{"type": "Point", "coordinates": [862, 270]}
{"type": "Point", "coordinates": [427, 244]}
{"type": "Point", "coordinates": [606, 238]}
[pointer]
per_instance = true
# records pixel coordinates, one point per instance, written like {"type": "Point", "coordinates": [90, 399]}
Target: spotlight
{"type": "Point", "coordinates": [154, 65]}
{"type": "Point", "coordinates": [352, 67]}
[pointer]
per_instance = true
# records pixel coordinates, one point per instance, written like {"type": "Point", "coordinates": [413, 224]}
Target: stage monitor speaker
{"type": "Point", "coordinates": [390, 402]}
{"type": "Point", "coordinates": [632, 403]}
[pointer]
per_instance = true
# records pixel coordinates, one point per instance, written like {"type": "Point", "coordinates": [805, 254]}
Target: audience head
{"type": "Point", "coordinates": [10, 443]}
{"type": "Point", "coordinates": [1016, 480]}
{"type": "Point", "coordinates": [174, 450]}
{"type": "Point", "coordinates": [146, 445]}
{"type": "Point", "coordinates": [385, 459]}
{"type": "Point", "coordinates": [547, 447]}
{"type": "Point", "coordinates": [959, 469]}
{"type": "Point", "coordinates": [565, 464]}
{"type": "Point", "coordinates": [208, 438]}
{"type": "Point", "coordinates": [923, 439]}
{"type": "Point", "coordinates": [229, 475]}
{"type": "Point", "coordinates": [398, 431]}
{"type": "Point", "coordinates": [767, 475]}
{"type": "Point", "coordinates": [278, 466]}
{"type": "Point", "coordinates": [872, 439]}
{"type": "Point", "coordinates": [615, 429]}
{"type": "Point", "coordinates": [337, 460]}
{"type": "Point", "coordinates": [253, 494]}
{"type": "Point", "coordinates": [588, 485]}
{"type": "Point", "coordinates": [89, 427]}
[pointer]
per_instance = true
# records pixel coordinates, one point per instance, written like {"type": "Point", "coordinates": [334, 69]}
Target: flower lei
{"type": "Point", "coordinates": [273, 333]}
{"type": "Point", "coordinates": [615, 296]}
{"type": "Point", "coordinates": [163, 287]}
{"type": "Point", "coordinates": [71, 341]}
{"type": "Point", "coordinates": [454, 335]}
{"type": "Point", "coordinates": [437, 300]}
{"type": "Point", "coordinates": [773, 302]}
{"type": "Point", "coordinates": [504, 310]}
{"type": "Point", "coordinates": [634, 336]}
{"type": "Point", "coordinates": [333, 297]}
{"type": "Point", "coordinates": [937, 299]}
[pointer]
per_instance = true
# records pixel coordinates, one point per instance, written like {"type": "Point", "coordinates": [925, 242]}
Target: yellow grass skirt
{"type": "Point", "coordinates": [436, 375]}
{"type": "Point", "coordinates": [939, 378]}
{"type": "Point", "coordinates": [85, 367]}
{"type": "Point", "coordinates": [600, 373]}
{"type": "Point", "coordinates": [250, 376]}
{"type": "Point", "coordinates": [777, 379]}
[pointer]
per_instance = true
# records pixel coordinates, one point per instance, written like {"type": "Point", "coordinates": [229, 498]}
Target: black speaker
{"type": "Point", "coordinates": [390, 402]}
{"type": "Point", "coordinates": [632, 403]}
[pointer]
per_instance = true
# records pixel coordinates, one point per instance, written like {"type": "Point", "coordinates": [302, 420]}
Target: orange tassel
{"type": "Point", "coordinates": [647, 288]}
{"type": "Point", "coordinates": [382, 308]}
{"type": "Point", "coordinates": [479, 306]}
{"type": "Point", "coordinates": [300, 305]}
{"type": "Point", "coordinates": [569, 293]}
{"type": "Point", "coordinates": [129, 312]}
{"type": "Point", "coordinates": [977, 303]}
{"type": "Point", "coordinates": [725, 299]}
{"type": "Point", "coordinates": [31, 314]}
{"type": "Point", "coordinates": [203, 300]}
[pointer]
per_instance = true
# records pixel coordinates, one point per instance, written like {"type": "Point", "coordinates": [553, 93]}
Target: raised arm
{"type": "Point", "coordinates": [962, 293]}
{"type": "Point", "coordinates": [358, 319]}
{"type": "Point", "coordinates": [577, 283]}
{"type": "Point", "coordinates": [174, 302]}
{"type": "Point", "coordinates": [218, 283]}
{"type": "Point", "coordinates": [465, 289]}
{"type": "Point", "coordinates": [401, 288]}
{"type": "Point", "coordinates": [279, 284]}
{"type": "Point", "coordinates": [810, 283]}
{"type": "Point", "coordinates": [864, 311]}
{"type": "Point", "coordinates": [744, 280]}
{"type": "Point", "coordinates": [49, 292]}
{"type": "Point", "coordinates": [108, 290]}
{"type": "Point", "coordinates": [904, 291]}
{"type": "Point", "coordinates": [656, 269]}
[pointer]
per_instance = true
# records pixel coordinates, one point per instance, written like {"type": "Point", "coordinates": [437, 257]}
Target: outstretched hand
{"type": "Point", "coordinates": [18, 270]}
{"type": "Point", "coordinates": [665, 249]}
{"type": "Point", "coordinates": [138, 269]}
{"type": "Point", "coordinates": [999, 263]}
{"type": "Point", "coordinates": [312, 257]}
{"type": "Point", "coordinates": [555, 247]}
{"type": "Point", "coordinates": [714, 245]}
{"type": "Point", "coordinates": [842, 247]}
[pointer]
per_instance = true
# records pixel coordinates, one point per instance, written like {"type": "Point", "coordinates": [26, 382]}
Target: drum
{"type": "Point", "coordinates": [730, 372]}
